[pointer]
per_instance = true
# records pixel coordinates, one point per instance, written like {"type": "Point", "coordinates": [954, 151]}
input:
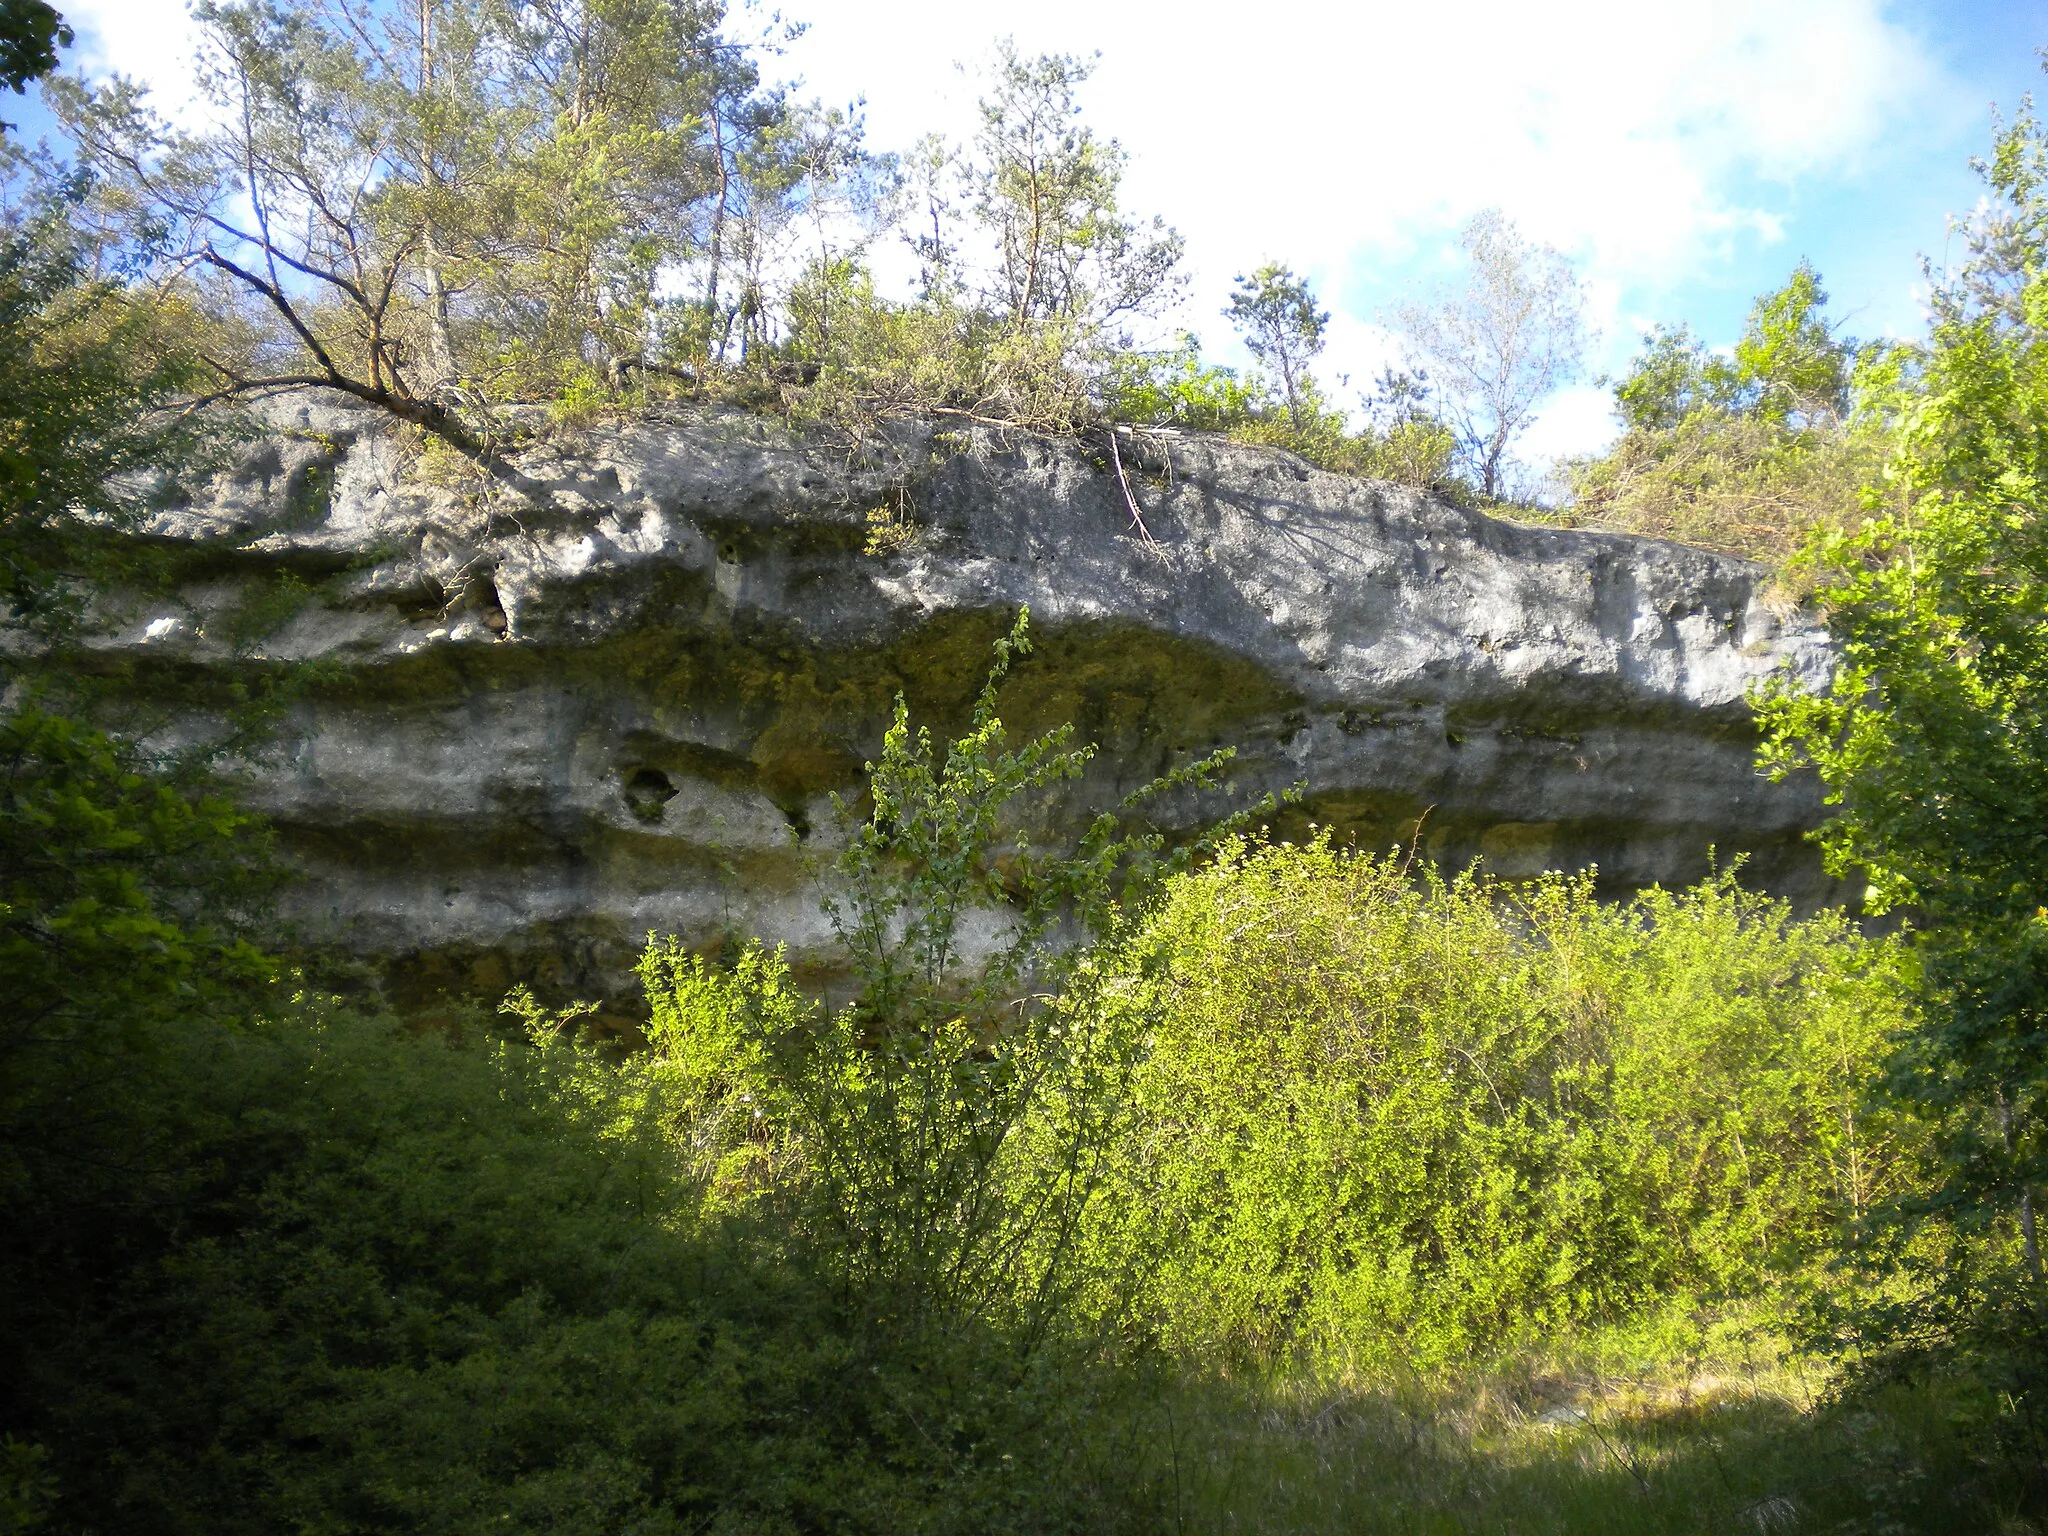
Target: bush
{"type": "Point", "coordinates": [1756, 453]}
{"type": "Point", "coordinates": [1174, 389]}
{"type": "Point", "coordinates": [273, 1263]}
{"type": "Point", "coordinates": [938, 1138]}
{"type": "Point", "coordinates": [904, 1264]}
{"type": "Point", "coordinates": [1729, 482]}
{"type": "Point", "coordinates": [1428, 1118]}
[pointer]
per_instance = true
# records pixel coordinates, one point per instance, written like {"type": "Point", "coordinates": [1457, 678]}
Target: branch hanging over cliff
{"type": "Point", "coordinates": [284, 208]}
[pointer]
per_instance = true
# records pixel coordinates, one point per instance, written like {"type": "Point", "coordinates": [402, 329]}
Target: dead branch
{"type": "Point", "coordinates": [1130, 500]}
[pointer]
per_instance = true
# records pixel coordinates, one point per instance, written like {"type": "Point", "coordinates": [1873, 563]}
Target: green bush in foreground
{"type": "Point", "coordinates": [1300, 1102]}
{"type": "Point", "coordinates": [1387, 1115]}
{"type": "Point", "coordinates": [1315, 1105]}
{"type": "Point", "coordinates": [274, 1265]}
{"type": "Point", "coordinates": [1298, 1129]}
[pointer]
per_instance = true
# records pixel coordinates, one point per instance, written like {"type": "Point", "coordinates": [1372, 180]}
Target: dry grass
{"type": "Point", "coordinates": [1730, 483]}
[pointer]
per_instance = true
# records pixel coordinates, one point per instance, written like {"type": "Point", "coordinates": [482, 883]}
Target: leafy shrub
{"type": "Point", "coordinates": [1175, 388]}
{"type": "Point", "coordinates": [1730, 482]}
{"type": "Point", "coordinates": [1415, 451]}
{"type": "Point", "coordinates": [1753, 453]}
{"type": "Point", "coordinates": [899, 1264]}
{"type": "Point", "coordinates": [940, 1135]}
{"type": "Point", "coordinates": [935, 355]}
{"type": "Point", "coordinates": [1386, 1113]}
{"type": "Point", "coordinates": [1928, 741]}
{"type": "Point", "coordinates": [273, 1263]}
{"type": "Point", "coordinates": [87, 370]}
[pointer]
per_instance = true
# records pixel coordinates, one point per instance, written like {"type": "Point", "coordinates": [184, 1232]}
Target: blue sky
{"type": "Point", "coordinates": [1684, 155]}
{"type": "Point", "coordinates": [1866, 225]}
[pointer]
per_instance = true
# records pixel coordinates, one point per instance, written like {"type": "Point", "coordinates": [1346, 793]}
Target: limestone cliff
{"type": "Point", "coordinates": [618, 700]}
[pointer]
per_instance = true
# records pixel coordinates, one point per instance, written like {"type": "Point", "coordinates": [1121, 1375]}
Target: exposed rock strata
{"type": "Point", "coordinates": [544, 729]}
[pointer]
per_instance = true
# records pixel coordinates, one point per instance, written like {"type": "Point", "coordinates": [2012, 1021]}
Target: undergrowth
{"type": "Point", "coordinates": [1244, 1187]}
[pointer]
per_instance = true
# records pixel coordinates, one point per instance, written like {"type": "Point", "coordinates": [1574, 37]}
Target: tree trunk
{"type": "Point", "coordinates": [440, 343]}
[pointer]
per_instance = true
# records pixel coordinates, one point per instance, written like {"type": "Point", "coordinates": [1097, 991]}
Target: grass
{"type": "Point", "coordinates": [1722, 1444]}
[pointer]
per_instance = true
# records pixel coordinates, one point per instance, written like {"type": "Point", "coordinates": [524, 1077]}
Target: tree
{"type": "Point", "coordinates": [86, 374]}
{"type": "Point", "coordinates": [1752, 449]}
{"type": "Point", "coordinates": [1932, 743]}
{"type": "Point", "coordinates": [297, 203]}
{"type": "Point", "coordinates": [1498, 345]}
{"type": "Point", "coordinates": [648, 119]}
{"type": "Point", "coordinates": [1045, 188]}
{"type": "Point", "coordinates": [1672, 379]}
{"type": "Point", "coordinates": [1032, 276]}
{"type": "Point", "coordinates": [431, 205]}
{"type": "Point", "coordinates": [1276, 314]}
{"type": "Point", "coordinates": [88, 378]}
{"type": "Point", "coordinates": [31, 32]}
{"type": "Point", "coordinates": [1790, 366]}
{"type": "Point", "coordinates": [840, 194]}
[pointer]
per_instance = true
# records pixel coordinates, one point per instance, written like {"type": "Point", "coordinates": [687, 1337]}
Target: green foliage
{"type": "Point", "coordinates": [940, 355]}
{"type": "Point", "coordinates": [266, 606]}
{"type": "Point", "coordinates": [472, 200]}
{"type": "Point", "coordinates": [1276, 314]}
{"type": "Point", "coordinates": [1174, 388]}
{"type": "Point", "coordinates": [580, 204]}
{"type": "Point", "coordinates": [1755, 451]}
{"type": "Point", "coordinates": [26, 1487]}
{"type": "Point", "coordinates": [425, 1292]}
{"type": "Point", "coordinates": [272, 1263]}
{"type": "Point", "coordinates": [31, 32]}
{"type": "Point", "coordinates": [1112, 1163]}
{"type": "Point", "coordinates": [1032, 272]}
{"type": "Point", "coordinates": [120, 910]}
{"type": "Point", "coordinates": [1930, 744]}
{"type": "Point", "coordinates": [1414, 449]}
{"type": "Point", "coordinates": [1593, 1447]}
{"type": "Point", "coordinates": [87, 369]}
{"type": "Point", "coordinates": [1789, 366]}
{"type": "Point", "coordinates": [1789, 361]}
{"type": "Point", "coordinates": [1673, 377]}
{"type": "Point", "coordinates": [1043, 187]}
{"type": "Point", "coordinates": [1390, 1118]}
{"type": "Point", "coordinates": [940, 1134]}
{"type": "Point", "coordinates": [898, 1264]}
{"type": "Point", "coordinates": [1400, 441]}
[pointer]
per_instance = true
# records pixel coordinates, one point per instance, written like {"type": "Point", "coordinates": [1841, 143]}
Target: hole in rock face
{"type": "Point", "coordinates": [647, 791]}
{"type": "Point", "coordinates": [489, 606]}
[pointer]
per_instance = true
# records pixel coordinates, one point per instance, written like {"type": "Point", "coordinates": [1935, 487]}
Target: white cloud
{"type": "Point", "coordinates": [1576, 420]}
{"type": "Point", "coordinates": [152, 41]}
{"type": "Point", "coordinates": [1332, 128]}
{"type": "Point", "coordinates": [1355, 352]}
{"type": "Point", "coordinates": [1351, 137]}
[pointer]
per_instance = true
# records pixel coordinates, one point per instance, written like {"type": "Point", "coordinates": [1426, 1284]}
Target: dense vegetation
{"type": "Point", "coordinates": [1248, 1185]}
{"type": "Point", "coordinates": [920, 1261]}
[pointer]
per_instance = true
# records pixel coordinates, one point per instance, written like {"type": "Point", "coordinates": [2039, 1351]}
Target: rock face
{"type": "Point", "coordinates": [546, 722]}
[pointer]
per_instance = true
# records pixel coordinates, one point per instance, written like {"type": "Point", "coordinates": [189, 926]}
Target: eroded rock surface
{"type": "Point", "coordinates": [548, 723]}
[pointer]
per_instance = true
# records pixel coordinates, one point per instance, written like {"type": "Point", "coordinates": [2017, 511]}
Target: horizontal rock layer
{"type": "Point", "coordinates": [546, 722]}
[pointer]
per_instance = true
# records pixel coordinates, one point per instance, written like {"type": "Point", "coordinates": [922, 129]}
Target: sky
{"type": "Point", "coordinates": [1685, 156]}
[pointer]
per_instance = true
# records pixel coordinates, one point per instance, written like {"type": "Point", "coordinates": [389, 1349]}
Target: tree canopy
{"type": "Point", "coordinates": [1932, 740]}
{"type": "Point", "coordinates": [1499, 341]}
